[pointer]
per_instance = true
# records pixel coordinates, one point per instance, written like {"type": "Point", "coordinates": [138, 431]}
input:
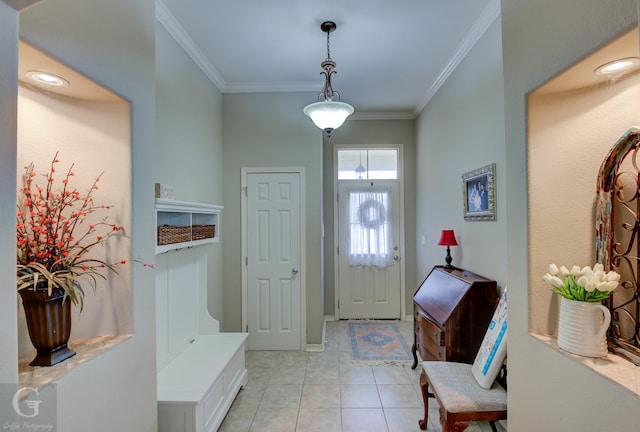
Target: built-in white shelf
{"type": "Point", "coordinates": [86, 349]}
{"type": "Point", "coordinates": [612, 367]}
{"type": "Point", "coordinates": [186, 214]}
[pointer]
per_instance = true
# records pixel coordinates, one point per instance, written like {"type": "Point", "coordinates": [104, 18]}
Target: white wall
{"type": "Point", "coordinates": [548, 391]}
{"type": "Point", "coordinates": [112, 43]}
{"type": "Point", "coordinates": [270, 130]}
{"type": "Point", "coordinates": [462, 129]}
{"type": "Point", "coordinates": [189, 143]}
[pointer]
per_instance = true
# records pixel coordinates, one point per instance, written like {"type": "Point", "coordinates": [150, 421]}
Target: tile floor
{"type": "Point", "coordinates": [293, 391]}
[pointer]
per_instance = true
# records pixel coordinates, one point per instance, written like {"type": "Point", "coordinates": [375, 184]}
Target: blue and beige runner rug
{"type": "Point", "coordinates": [378, 343]}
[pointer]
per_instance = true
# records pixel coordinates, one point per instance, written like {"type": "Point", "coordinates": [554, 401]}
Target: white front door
{"type": "Point", "coordinates": [273, 261]}
{"type": "Point", "coordinates": [369, 284]}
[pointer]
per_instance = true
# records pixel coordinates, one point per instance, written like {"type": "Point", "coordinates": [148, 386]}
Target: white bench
{"type": "Point", "coordinates": [197, 387]}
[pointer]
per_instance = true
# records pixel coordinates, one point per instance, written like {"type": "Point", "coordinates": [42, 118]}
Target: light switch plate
{"type": "Point", "coordinates": [164, 191]}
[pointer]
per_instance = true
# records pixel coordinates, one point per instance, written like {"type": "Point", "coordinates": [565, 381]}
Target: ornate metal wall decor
{"type": "Point", "coordinates": [618, 240]}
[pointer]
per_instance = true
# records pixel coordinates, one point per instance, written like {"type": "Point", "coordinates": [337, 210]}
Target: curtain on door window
{"type": "Point", "coordinates": [369, 230]}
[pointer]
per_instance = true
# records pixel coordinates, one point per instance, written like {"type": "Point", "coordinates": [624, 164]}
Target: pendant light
{"type": "Point", "coordinates": [360, 170]}
{"type": "Point", "coordinates": [328, 114]}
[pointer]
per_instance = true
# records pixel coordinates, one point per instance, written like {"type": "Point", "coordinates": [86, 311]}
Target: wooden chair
{"type": "Point", "coordinates": [465, 394]}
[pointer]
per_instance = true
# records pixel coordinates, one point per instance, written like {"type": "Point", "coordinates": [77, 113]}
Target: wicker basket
{"type": "Point", "coordinates": [173, 234]}
{"type": "Point", "coordinates": [200, 232]}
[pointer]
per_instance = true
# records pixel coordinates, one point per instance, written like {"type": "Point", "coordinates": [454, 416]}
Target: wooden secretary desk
{"type": "Point", "coordinates": [452, 309]}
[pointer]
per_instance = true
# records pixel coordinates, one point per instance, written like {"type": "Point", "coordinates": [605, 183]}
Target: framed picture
{"type": "Point", "coordinates": [479, 194]}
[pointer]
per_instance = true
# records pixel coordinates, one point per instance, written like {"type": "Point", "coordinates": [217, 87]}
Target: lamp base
{"type": "Point", "coordinates": [448, 258]}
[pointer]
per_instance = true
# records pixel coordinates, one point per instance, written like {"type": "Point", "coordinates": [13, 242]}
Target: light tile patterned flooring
{"type": "Point", "coordinates": [293, 391]}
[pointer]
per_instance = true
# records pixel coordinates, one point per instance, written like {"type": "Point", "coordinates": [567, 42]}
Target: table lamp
{"type": "Point", "coordinates": [447, 238]}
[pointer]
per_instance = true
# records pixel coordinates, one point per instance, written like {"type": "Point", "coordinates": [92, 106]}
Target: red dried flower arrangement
{"type": "Point", "coordinates": [54, 237]}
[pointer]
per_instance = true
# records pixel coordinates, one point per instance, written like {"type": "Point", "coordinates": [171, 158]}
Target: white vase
{"type": "Point", "coordinates": [582, 327]}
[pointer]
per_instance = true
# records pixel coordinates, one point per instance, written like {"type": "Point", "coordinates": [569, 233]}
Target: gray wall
{"type": "Point", "coordinates": [189, 142]}
{"type": "Point", "coordinates": [270, 130]}
{"type": "Point", "coordinates": [371, 132]}
{"type": "Point", "coordinates": [462, 129]}
{"type": "Point", "coordinates": [541, 39]}
{"type": "Point", "coordinates": [8, 141]}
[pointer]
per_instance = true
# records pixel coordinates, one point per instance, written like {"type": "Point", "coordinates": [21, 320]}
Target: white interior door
{"type": "Point", "coordinates": [273, 261]}
{"type": "Point", "coordinates": [369, 291]}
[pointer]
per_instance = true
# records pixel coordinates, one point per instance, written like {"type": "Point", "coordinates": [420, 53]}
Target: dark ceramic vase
{"type": "Point", "coordinates": [49, 325]}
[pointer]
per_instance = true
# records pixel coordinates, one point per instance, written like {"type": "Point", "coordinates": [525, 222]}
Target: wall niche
{"type": "Point", "coordinates": [90, 127]}
{"type": "Point", "coordinates": [573, 121]}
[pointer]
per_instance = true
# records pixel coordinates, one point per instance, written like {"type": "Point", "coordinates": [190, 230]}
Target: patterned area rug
{"type": "Point", "coordinates": [378, 343]}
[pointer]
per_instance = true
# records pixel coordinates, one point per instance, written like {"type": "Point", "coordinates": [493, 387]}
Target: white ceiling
{"type": "Point", "coordinates": [391, 55]}
{"type": "Point", "coordinates": [390, 59]}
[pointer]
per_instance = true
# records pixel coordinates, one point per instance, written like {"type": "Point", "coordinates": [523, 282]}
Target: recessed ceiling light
{"type": "Point", "coordinates": [47, 78]}
{"type": "Point", "coordinates": [618, 67]}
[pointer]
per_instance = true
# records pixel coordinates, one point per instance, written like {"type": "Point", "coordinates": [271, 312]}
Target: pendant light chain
{"type": "Point", "coordinates": [328, 66]}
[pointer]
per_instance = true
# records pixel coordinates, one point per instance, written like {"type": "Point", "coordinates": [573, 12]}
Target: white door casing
{"type": "Point", "coordinates": [273, 271]}
{"type": "Point", "coordinates": [365, 291]}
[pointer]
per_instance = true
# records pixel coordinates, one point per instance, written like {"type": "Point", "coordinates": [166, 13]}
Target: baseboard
{"type": "Point", "coordinates": [333, 318]}
{"type": "Point", "coordinates": [314, 347]}
{"type": "Point", "coordinates": [319, 347]}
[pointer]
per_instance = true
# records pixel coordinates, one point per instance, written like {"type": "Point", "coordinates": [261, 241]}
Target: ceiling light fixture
{"type": "Point", "coordinates": [328, 114]}
{"type": "Point", "coordinates": [360, 170]}
{"type": "Point", "coordinates": [47, 78]}
{"type": "Point", "coordinates": [618, 67]}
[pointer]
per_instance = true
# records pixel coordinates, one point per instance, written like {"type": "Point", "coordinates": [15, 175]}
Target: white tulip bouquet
{"type": "Point", "coordinates": [582, 284]}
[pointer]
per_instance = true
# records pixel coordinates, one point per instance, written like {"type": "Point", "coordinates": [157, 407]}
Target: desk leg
{"type": "Point", "coordinates": [413, 351]}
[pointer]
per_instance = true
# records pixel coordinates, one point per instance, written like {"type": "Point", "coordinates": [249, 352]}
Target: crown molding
{"type": "Point", "coordinates": [382, 115]}
{"type": "Point", "coordinates": [21, 5]}
{"type": "Point", "coordinates": [171, 24]}
{"type": "Point", "coordinates": [479, 28]}
{"type": "Point", "coordinates": [269, 87]}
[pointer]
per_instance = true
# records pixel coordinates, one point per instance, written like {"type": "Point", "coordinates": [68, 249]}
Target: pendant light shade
{"type": "Point", "coordinates": [328, 114]}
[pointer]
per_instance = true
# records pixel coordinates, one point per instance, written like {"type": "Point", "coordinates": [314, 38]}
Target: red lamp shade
{"type": "Point", "coordinates": [447, 238]}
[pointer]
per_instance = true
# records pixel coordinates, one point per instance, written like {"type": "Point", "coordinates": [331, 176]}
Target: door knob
{"type": "Point", "coordinates": [294, 270]}
{"type": "Point", "coordinates": [396, 257]}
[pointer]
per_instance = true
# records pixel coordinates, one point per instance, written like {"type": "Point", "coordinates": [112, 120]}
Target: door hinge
{"type": "Point", "coordinates": [338, 251]}
{"type": "Point", "coordinates": [245, 191]}
{"type": "Point", "coordinates": [246, 261]}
